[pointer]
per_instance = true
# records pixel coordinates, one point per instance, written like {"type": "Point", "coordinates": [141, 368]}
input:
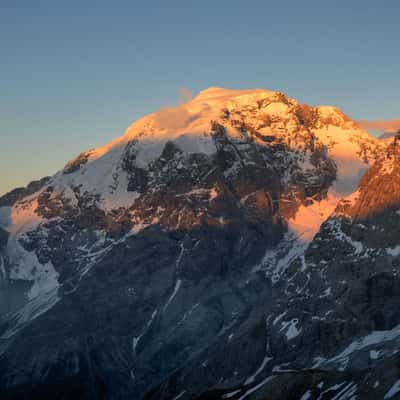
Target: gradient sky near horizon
{"type": "Point", "coordinates": [75, 74]}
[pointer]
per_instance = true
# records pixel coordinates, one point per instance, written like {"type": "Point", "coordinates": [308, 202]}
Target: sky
{"type": "Point", "coordinates": [75, 74]}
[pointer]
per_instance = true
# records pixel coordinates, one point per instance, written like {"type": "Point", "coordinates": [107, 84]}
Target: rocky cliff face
{"type": "Point", "coordinates": [333, 331]}
{"type": "Point", "coordinates": [178, 261]}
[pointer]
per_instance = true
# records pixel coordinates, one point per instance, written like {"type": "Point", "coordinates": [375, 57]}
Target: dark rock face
{"type": "Point", "coordinates": [77, 163]}
{"type": "Point", "coordinates": [3, 238]}
{"type": "Point", "coordinates": [331, 326]}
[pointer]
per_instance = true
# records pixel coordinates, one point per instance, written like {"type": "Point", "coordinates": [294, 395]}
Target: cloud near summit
{"type": "Point", "coordinates": [185, 95]}
{"type": "Point", "coordinates": [391, 125]}
{"type": "Point", "coordinates": [176, 117]}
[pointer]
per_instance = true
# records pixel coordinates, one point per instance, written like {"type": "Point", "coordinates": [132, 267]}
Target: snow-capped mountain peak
{"type": "Point", "coordinates": [316, 153]}
{"type": "Point", "coordinates": [201, 222]}
{"type": "Point", "coordinates": [261, 112]}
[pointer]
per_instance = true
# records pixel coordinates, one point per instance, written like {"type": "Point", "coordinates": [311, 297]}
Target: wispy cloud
{"type": "Point", "coordinates": [173, 117]}
{"type": "Point", "coordinates": [184, 95]}
{"type": "Point", "coordinates": [391, 125]}
{"type": "Point", "coordinates": [176, 117]}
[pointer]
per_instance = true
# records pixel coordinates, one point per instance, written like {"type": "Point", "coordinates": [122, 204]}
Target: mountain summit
{"type": "Point", "coordinates": [172, 262]}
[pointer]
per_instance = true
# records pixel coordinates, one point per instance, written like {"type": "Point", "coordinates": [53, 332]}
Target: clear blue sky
{"type": "Point", "coordinates": [74, 74]}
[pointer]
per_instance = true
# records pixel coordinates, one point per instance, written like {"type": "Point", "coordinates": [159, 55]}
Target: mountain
{"type": "Point", "coordinates": [207, 253]}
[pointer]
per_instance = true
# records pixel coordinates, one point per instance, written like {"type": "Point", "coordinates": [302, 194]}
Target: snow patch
{"type": "Point", "coordinates": [375, 338]}
{"type": "Point", "coordinates": [30, 311]}
{"type": "Point", "coordinates": [26, 266]}
{"type": "Point", "coordinates": [308, 219]}
{"type": "Point", "coordinates": [394, 251]}
{"type": "Point", "coordinates": [176, 288]}
{"type": "Point", "coordinates": [136, 339]}
{"type": "Point", "coordinates": [256, 387]}
{"type": "Point", "coordinates": [252, 378]}
{"type": "Point", "coordinates": [179, 396]}
{"type": "Point", "coordinates": [307, 395]}
{"type": "Point", "coordinates": [393, 390]}
{"type": "Point", "coordinates": [231, 394]}
{"type": "Point", "coordinates": [290, 328]}
{"type": "Point", "coordinates": [373, 354]}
